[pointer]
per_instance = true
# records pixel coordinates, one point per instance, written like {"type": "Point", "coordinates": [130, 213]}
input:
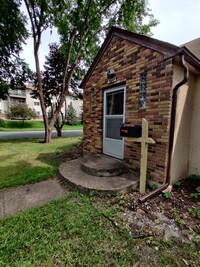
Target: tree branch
{"type": "Point", "coordinates": [71, 41]}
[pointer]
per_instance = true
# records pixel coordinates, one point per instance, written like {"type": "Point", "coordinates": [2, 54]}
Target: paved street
{"type": "Point", "coordinates": [38, 134]}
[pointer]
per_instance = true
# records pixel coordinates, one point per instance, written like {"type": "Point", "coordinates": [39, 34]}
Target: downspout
{"type": "Point", "coordinates": [172, 129]}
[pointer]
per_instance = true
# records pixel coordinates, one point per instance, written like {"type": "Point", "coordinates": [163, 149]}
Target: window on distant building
{"type": "Point", "coordinates": [92, 100]}
{"type": "Point", "coordinates": [36, 103]}
{"type": "Point", "coordinates": [142, 92]}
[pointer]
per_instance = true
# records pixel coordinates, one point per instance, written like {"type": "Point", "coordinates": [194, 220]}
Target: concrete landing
{"type": "Point", "coordinates": [72, 174]}
{"type": "Point", "coordinates": [99, 165]}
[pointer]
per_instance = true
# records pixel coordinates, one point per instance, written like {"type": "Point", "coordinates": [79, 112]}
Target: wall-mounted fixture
{"type": "Point", "coordinates": [111, 76]}
{"type": "Point", "coordinates": [110, 73]}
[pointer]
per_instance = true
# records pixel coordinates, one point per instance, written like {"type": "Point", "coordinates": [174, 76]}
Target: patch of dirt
{"type": "Point", "coordinates": [174, 214]}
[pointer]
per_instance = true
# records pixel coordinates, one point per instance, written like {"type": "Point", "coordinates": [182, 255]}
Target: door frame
{"type": "Point", "coordinates": [110, 90]}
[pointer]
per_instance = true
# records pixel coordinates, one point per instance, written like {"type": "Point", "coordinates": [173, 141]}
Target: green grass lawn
{"type": "Point", "coordinates": [71, 232]}
{"type": "Point", "coordinates": [28, 160]}
{"type": "Point", "coordinates": [12, 126]}
{"type": "Point", "coordinates": [67, 232]}
{"type": "Point", "coordinates": [76, 230]}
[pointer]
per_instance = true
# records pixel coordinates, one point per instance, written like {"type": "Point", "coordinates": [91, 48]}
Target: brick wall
{"type": "Point", "coordinates": [129, 60]}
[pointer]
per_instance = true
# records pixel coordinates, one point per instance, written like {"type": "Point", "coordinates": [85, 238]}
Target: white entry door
{"type": "Point", "coordinates": [114, 107]}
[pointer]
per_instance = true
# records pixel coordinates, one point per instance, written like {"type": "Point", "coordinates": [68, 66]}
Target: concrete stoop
{"type": "Point", "coordinates": [99, 173]}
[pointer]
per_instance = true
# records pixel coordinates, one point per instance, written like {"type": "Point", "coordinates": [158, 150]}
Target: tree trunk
{"type": "Point", "coordinates": [47, 137]}
{"type": "Point", "coordinates": [59, 131]}
{"type": "Point", "coordinates": [47, 127]}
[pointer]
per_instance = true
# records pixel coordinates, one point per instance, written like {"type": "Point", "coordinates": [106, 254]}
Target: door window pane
{"type": "Point", "coordinates": [115, 103]}
{"type": "Point", "coordinates": [113, 128]}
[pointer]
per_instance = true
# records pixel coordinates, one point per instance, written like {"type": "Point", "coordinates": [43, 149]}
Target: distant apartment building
{"type": "Point", "coordinates": [18, 96]}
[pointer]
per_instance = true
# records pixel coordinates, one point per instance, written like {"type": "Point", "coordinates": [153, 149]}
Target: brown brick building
{"type": "Point", "coordinates": [135, 77]}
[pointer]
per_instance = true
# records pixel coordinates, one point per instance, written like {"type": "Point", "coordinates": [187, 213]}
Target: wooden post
{"type": "Point", "coordinates": [144, 140]}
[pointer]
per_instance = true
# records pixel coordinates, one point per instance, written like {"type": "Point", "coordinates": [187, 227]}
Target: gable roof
{"type": "Point", "coordinates": [194, 47]}
{"type": "Point", "coordinates": [168, 50]}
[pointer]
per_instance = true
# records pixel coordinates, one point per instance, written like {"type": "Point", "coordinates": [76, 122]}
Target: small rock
{"type": "Point", "coordinates": [190, 237]}
{"type": "Point", "coordinates": [160, 232]}
{"type": "Point", "coordinates": [185, 216]}
{"type": "Point", "coordinates": [157, 221]}
{"type": "Point", "coordinates": [140, 211]}
{"type": "Point", "coordinates": [186, 263]}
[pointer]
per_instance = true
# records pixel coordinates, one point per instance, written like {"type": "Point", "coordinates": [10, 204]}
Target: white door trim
{"type": "Point", "coordinates": [113, 142]}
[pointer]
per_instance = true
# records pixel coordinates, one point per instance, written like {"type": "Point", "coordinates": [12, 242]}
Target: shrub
{"type": "Point", "coordinates": [2, 123]}
{"type": "Point", "coordinates": [21, 112]}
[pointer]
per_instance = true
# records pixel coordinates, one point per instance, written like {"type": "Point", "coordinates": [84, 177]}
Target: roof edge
{"type": "Point", "coordinates": [167, 49]}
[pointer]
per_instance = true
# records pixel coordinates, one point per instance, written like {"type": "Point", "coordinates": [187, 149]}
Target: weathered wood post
{"type": "Point", "coordinates": [144, 140]}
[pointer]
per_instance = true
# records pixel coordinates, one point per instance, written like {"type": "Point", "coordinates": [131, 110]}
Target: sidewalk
{"type": "Point", "coordinates": [20, 198]}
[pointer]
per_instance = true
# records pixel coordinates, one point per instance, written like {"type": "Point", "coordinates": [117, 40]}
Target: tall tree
{"type": "Point", "coordinates": [12, 34]}
{"type": "Point", "coordinates": [81, 25]}
{"type": "Point", "coordinates": [40, 15]}
{"type": "Point", "coordinates": [52, 84]}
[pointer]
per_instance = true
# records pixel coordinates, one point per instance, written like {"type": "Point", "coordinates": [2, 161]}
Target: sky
{"type": "Point", "coordinates": [179, 20]}
{"type": "Point", "coordinates": [179, 23]}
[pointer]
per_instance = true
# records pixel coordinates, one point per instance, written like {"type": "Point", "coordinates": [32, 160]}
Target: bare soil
{"type": "Point", "coordinates": [174, 214]}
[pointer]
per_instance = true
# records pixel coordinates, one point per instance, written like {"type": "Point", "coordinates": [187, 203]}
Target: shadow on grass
{"type": "Point", "coordinates": [23, 173]}
{"type": "Point", "coordinates": [5, 157]}
{"type": "Point", "coordinates": [62, 154]}
{"type": "Point", "coordinates": [10, 141]}
{"type": "Point", "coordinates": [15, 173]}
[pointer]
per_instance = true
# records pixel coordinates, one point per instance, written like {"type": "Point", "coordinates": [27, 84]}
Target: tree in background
{"type": "Point", "coordinates": [13, 70]}
{"type": "Point", "coordinates": [71, 115]}
{"type": "Point", "coordinates": [52, 84]}
{"type": "Point", "coordinates": [81, 25]}
{"type": "Point", "coordinates": [21, 112]}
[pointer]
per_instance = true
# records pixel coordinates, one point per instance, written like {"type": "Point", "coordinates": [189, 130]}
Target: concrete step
{"type": "Point", "coordinates": [72, 175]}
{"type": "Point", "coordinates": [103, 166]}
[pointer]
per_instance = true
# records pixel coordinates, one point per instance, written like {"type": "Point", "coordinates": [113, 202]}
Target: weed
{"type": "Point", "coordinates": [177, 183]}
{"type": "Point", "coordinates": [196, 194]}
{"type": "Point", "coordinates": [177, 218]}
{"type": "Point", "coordinates": [154, 186]}
{"type": "Point", "coordinates": [148, 177]}
{"type": "Point", "coordinates": [118, 196]}
{"type": "Point", "coordinates": [191, 211]}
{"type": "Point", "coordinates": [167, 194]}
{"type": "Point", "coordinates": [194, 177]}
{"type": "Point", "coordinates": [197, 237]}
{"type": "Point", "coordinates": [197, 210]}
{"type": "Point", "coordinates": [124, 200]}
